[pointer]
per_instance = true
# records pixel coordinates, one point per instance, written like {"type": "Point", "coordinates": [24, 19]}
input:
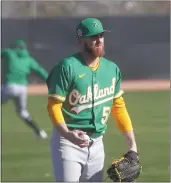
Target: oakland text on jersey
{"type": "Point", "coordinates": [76, 98]}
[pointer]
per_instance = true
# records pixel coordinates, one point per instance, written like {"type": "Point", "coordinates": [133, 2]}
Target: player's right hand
{"type": "Point", "coordinates": [74, 136]}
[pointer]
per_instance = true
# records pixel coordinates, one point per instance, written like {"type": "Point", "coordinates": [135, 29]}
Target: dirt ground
{"type": "Point", "coordinates": [133, 85]}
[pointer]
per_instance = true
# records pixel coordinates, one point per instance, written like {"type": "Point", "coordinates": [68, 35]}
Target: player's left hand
{"type": "Point", "coordinates": [126, 169]}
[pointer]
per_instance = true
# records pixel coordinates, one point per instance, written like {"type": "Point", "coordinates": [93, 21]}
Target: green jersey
{"type": "Point", "coordinates": [15, 67]}
{"type": "Point", "coordinates": [87, 95]}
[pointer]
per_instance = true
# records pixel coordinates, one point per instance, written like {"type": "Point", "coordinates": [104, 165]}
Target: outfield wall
{"type": "Point", "coordinates": [139, 45]}
{"type": "Point", "coordinates": [127, 86]}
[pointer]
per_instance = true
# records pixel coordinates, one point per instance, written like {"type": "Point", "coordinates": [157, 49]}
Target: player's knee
{"type": "Point", "coordinates": [24, 114]}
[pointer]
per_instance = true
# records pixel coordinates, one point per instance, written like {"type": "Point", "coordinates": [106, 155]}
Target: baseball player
{"type": "Point", "coordinates": [83, 89]}
{"type": "Point", "coordinates": [16, 65]}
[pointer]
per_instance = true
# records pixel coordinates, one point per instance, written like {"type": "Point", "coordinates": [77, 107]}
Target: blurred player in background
{"type": "Point", "coordinates": [16, 66]}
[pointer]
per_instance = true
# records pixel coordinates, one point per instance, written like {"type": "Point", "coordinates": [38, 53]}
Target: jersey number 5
{"type": "Point", "coordinates": [105, 116]}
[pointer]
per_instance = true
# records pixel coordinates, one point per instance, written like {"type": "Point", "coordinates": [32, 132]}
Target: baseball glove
{"type": "Point", "coordinates": [126, 169]}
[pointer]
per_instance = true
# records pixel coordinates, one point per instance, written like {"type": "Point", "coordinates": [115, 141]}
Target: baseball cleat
{"type": "Point", "coordinates": [43, 134]}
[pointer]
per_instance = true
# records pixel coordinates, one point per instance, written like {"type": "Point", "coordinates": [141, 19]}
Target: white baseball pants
{"type": "Point", "coordinates": [74, 164]}
{"type": "Point", "coordinates": [19, 95]}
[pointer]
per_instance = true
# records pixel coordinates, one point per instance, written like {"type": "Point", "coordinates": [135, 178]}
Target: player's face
{"type": "Point", "coordinates": [94, 45]}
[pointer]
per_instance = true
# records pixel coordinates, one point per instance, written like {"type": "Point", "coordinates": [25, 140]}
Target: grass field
{"type": "Point", "coordinates": [25, 158]}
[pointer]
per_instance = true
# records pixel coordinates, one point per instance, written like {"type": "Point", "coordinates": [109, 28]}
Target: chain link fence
{"type": "Point", "coordinates": [21, 9]}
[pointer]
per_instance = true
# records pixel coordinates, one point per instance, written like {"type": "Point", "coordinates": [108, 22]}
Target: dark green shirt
{"type": "Point", "coordinates": [87, 95]}
{"type": "Point", "coordinates": [15, 68]}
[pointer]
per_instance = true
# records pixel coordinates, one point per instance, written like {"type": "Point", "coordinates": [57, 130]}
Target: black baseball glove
{"type": "Point", "coordinates": [126, 169]}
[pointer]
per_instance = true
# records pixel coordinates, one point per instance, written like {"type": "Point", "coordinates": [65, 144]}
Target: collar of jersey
{"type": "Point", "coordinates": [94, 68]}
